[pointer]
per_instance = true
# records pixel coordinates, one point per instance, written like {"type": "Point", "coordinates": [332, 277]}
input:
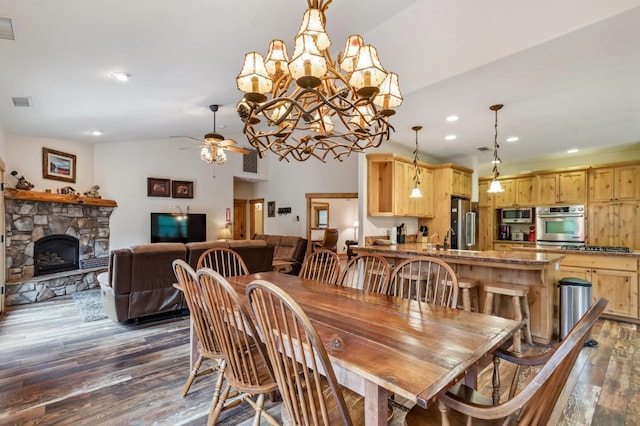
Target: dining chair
{"type": "Point", "coordinates": [533, 405]}
{"type": "Point", "coordinates": [225, 261]}
{"type": "Point", "coordinates": [329, 241]}
{"type": "Point", "coordinates": [369, 272]}
{"type": "Point", "coordinates": [321, 265]}
{"type": "Point", "coordinates": [310, 391]}
{"type": "Point", "coordinates": [426, 279]}
{"type": "Point", "coordinates": [247, 367]}
{"type": "Point", "coordinates": [201, 323]}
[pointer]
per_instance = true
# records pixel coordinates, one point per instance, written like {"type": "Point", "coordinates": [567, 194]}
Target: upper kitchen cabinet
{"type": "Point", "coordinates": [485, 198]}
{"type": "Point", "coordinates": [453, 180]}
{"type": "Point", "coordinates": [614, 224]}
{"type": "Point", "coordinates": [614, 183]}
{"type": "Point", "coordinates": [390, 181]}
{"type": "Point", "coordinates": [568, 187]}
{"type": "Point", "coordinates": [518, 192]}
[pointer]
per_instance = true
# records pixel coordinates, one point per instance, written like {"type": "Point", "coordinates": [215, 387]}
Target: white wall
{"type": "Point", "coordinates": [24, 155]}
{"type": "Point", "coordinates": [289, 182]}
{"type": "Point", "coordinates": [3, 143]}
{"type": "Point", "coordinates": [122, 170]}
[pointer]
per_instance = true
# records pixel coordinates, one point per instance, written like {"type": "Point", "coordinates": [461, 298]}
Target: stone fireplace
{"type": "Point", "coordinates": [55, 244]}
{"type": "Point", "coordinates": [55, 253]}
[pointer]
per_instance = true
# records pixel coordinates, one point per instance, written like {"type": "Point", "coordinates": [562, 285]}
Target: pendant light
{"type": "Point", "coordinates": [415, 193]}
{"type": "Point", "coordinates": [495, 183]}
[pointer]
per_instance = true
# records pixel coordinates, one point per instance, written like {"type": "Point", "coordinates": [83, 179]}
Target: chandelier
{"type": "Point", "coordinates": [415, 193]}
{"type": "Point", "coordinates": [495, 183]}
{"type": "Point", "coordinates": [310, 105]}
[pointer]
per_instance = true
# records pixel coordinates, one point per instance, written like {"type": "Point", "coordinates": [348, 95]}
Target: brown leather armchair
{"type": "Point", "coordinates": [329, 241]}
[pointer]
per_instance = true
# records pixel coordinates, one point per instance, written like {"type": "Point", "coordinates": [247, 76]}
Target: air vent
{"type": "Point", "coordinates": [22, 101]}
{"type": "Point", "coordinates": [6, 29]}
{"type": "Point", "coordinates": [484, 149]}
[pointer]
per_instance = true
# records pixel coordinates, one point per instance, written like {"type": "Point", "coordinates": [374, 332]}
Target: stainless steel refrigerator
{"type": "Point", "coordinates": [464, 225]}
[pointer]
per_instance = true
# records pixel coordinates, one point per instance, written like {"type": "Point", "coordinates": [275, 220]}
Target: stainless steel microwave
{"type": "Point", "coordinates": [519, 215]}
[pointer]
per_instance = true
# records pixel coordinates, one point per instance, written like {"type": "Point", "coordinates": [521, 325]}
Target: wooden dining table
{"type": "Point", "coordinates": [382, 345]}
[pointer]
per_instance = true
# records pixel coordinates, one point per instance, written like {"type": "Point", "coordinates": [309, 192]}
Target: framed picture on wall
{"type": "Point", "coordinates": [58, 165]}
{"type": "Point", "coordinates": [271, 209]}
{"type": "Point", "coordinates": [157, 187]}
{"type": "Point", "coordinates": [181, 189]}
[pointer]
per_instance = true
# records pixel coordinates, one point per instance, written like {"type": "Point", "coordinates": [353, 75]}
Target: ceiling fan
{"type": "Point", "coordinates": [214, 144]}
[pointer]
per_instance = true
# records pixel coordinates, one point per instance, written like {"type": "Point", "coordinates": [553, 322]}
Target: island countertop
{"type": "Point", "coordinates": [538, 272]}
{"type": "Point", "coordinates": [494, 256]}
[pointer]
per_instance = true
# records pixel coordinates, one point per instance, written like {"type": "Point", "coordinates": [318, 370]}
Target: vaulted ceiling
{"type": "Point", "coordinates": [567, 72]}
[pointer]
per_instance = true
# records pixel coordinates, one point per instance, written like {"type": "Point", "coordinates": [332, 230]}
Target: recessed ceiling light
{"type": "Point", "coordinates": [96, 132]}
{"type": "Point", "coordinates": [450, 137]}
{"type": "Point", "coordinates": [513, 139]}
{"type": "Point", "coordinates": [452, 118]}
{"type": "Point", "coordinates": [572, 151]}
{"type": "Point", "coordinates": [121, 76]}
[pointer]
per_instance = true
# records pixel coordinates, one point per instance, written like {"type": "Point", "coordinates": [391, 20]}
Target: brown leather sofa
{"type": "Point", "coordinates": [286, 248]}
{"type": "Point", "coordinates": [257, 255]}
{"type": "Point", "coordinates": [139, 281]}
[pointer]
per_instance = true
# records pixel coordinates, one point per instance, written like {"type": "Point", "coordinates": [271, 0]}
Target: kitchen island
{"type": "Point", "coordinates": [540, 272]}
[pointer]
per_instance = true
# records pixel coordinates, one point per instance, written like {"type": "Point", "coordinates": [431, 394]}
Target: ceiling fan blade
{"type": "Point", "coordinates": [192, 147]}
{"type": "Point", "coordinates": [227, 142]}
{"type": "Point", "coordinates": [188, 137]}
{"type": "Point", "coordinates": [236, 149]}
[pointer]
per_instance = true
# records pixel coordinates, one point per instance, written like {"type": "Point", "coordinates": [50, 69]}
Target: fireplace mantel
{"type": "Point", "coordinates": [21, 194]}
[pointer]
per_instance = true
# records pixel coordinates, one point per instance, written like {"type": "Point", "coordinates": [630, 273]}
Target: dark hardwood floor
{"type": "Point", "coordinates": [56, 369]}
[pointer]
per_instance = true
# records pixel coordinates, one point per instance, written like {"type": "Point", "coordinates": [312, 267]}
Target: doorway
{"type": "Point", "coordinates": [239, 219]}
{"type": "Point", "coordinates": [3, 290]}
{"type": "Point", "coordinates": [319, 218]}
{"type": "Point", "coordinates": [256, 217]}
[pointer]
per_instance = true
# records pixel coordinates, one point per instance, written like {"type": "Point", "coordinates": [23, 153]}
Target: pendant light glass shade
{"type": "Point", "coordinates": [495, 186]}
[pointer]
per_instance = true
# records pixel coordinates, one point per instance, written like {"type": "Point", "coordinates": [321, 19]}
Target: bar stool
{"type": "Point", "coordinates": [520, 303]}
{"type": "Point", "coordinates": [469, 290]}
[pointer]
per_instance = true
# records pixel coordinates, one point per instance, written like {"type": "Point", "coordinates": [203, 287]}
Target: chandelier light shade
{"type": "Point", "coordinates": [495, 185]}
{"type": "Point", "coordinates": [415, 192]}
{"type": "Point", "coordinates": [309, 105]}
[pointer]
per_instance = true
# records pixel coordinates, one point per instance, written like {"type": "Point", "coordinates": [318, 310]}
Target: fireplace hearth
{"type": "Point", "coordinates": [55, 253]}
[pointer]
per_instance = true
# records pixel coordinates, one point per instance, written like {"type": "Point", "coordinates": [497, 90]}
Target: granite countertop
{"type": "Point", "coordinates": [512, 257]}
{"type": "Point", "coordinates": [579, 252]}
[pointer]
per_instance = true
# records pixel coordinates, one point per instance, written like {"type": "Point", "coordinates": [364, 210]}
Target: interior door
{"type": "Point", "coordinates": [239, 219]}
{"type": "Point", "coordinates": [256, 217]}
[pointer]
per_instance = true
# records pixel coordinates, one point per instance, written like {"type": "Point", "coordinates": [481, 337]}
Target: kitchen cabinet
{"type": "Point", "coordinates": [614, 224]}
{"type": "Point", "coordinates": [568, 187]}
{"type": "Point", "coordinates": [612, 277]}
{"type": "Point", "coordinates": [509, 245]}
{"type": "Point", "coordinates": [389, 184]}
{"type": "Point", "coordinates": [486, 228]}
{"type": "Point", "coordinates": [518, 192]}
{"type": "Point", "coordinates": [614, 183]}
{"type": "Point", "coordinates": [453, 180]}
{"type": "Point", "coordinates": [485, 199]}
{"type": "Point", "coordinates": [424, 205]}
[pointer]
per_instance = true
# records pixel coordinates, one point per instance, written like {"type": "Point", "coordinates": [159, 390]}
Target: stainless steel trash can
{"type": "Point", "coordinates": [575, 300]}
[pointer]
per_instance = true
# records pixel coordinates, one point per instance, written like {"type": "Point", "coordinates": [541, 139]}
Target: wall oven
{"type": "Point", "coordinates": [560, 225]}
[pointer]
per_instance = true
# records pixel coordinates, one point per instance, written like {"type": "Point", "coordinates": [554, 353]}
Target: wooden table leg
{"type": "Point", "coordinates": [375, 404]}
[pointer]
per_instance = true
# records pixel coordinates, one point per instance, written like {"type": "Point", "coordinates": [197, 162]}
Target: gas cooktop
{"type": "Point", "coordinates": [597, 248]}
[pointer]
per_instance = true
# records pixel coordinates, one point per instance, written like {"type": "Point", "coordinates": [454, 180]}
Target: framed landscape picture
{"type": "Point", "coordinates": [58, 165]}
{"type": "Point", "coordinates": [157, 187]}
{"type": "Point", "coordinates": [181, 189]}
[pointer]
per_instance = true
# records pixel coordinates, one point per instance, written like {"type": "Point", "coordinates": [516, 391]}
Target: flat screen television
{"type": "Point", "coordinates": [178, 228]}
